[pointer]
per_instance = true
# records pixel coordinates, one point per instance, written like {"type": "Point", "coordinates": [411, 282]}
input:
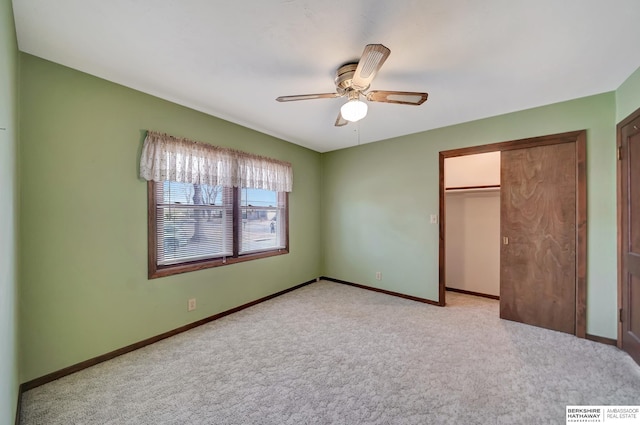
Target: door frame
{"type": "Point", "coordinates": [579, 139]}
{"type": "Point", "coordinates": [619, 205]}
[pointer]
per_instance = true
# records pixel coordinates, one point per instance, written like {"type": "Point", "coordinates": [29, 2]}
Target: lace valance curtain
{"type": "Point", "coordinates": [169, 158]}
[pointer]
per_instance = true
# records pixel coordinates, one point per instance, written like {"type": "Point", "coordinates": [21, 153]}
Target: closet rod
{"type": "Point", "coordinates": [489, 186]}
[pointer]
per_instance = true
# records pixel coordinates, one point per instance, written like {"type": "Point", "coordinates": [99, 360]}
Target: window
{"type": "Point", "coordinates": [194, 222]}
{"type": "Point", "coordinates": [264, 224]}
{"type": "Point", "coordinates": [194, 226]}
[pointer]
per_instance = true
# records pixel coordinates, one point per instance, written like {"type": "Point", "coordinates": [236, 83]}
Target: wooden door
{"type": "Point", "coordinates": [538, 227]}
{"type": "Point", "coordinates": [629, 186]}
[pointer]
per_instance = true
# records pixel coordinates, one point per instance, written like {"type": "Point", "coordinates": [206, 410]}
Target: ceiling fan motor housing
{"type": "Point", "coordinates": [344, 78]}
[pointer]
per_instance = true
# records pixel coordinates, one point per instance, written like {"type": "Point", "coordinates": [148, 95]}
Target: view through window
{"type": "Point", "coordinates": [262, 220]}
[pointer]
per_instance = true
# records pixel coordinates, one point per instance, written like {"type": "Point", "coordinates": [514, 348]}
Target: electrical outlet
{"type": "Point", "coordinates": [191, 304]}
{"type": "Point", "coordinates": [378, 275]}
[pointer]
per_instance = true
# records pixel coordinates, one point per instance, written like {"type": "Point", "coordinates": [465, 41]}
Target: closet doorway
{"type": "Point", "coordinates": [542, 241]}
{"type": "Point", "coordinates": [472, 206]}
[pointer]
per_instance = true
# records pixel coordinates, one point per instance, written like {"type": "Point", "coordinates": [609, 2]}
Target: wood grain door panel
{"type": "Point", "coordinates": [629, 181]}
{"type": "Point", "coordinates": [538, 218]}
{"type": "Point", "coordinates": [634, 314]}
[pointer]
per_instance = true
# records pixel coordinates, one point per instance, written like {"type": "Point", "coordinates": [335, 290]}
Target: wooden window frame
{"type": "Point", "coordinates": [156, 271]}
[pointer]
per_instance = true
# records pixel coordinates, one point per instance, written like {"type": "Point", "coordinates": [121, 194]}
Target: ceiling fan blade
{"type": "Point", "coordinates": [340, 121]}
{"type": "Point", "coordinates": [370, 62]}
{"type": "Point", "coordinates": [400, 97]}
{"type": "Point", "coordinates": [307, 97]}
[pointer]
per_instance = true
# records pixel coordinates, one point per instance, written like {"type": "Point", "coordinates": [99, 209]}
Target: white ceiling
{"type": "Point", "coordinates": [231, 59]}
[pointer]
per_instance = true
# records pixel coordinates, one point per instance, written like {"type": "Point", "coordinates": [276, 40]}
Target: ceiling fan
{"type": "Point", "coordinates": [352, 81]}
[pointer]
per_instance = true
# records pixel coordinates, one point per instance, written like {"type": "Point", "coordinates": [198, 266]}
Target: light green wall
{"type": "Point", "coordinates": [83, 257]}
{"type": "Point", "coordinates": [83, 285]}
{"type": "Point", "coordinates": [628, 96]}
{"type": "Point", "coordinates": [8, 215]}
{"type": "Point", "coordinates": [377, 199]}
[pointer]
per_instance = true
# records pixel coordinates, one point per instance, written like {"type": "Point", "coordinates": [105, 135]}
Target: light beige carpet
{"type": "Point", "coordinates": [333, 354]}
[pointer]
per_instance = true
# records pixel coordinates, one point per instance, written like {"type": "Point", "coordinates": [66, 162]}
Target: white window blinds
{"type": "Point", "coordinates": [194, 222]}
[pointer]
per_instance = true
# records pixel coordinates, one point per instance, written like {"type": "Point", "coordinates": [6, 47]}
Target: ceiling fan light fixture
{"type": "Point", "coordinates": [354, 110]}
